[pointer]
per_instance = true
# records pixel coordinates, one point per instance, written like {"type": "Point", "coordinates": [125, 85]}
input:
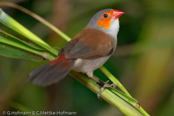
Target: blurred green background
{"type": "Point", "coordinates": [143, 60]}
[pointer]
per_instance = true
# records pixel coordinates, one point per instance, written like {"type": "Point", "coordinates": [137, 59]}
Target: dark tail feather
{"type": "Point", "coordinates": [51, 73]}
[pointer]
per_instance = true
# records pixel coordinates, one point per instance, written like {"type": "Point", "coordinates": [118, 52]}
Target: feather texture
{"type": "Point", "coordinates": [89, 44]}
{"type": "Point", "coordinates": [51, 72]}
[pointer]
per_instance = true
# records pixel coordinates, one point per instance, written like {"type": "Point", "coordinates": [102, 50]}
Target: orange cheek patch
{"type": "Point", "coordinates": [104, 23]}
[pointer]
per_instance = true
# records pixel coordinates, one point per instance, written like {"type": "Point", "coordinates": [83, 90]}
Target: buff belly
{"type": "Point", "coordinates": [85, 66]}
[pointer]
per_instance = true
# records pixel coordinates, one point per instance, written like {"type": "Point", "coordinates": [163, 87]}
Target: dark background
{"type": "Point", "coordinates": [143, 60]}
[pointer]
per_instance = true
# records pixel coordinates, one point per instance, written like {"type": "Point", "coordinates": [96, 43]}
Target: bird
{"type": "Point", "coordinates": [85, 52]}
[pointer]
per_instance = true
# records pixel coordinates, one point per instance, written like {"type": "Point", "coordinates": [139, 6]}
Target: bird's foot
{"type": "Point", "coordinates": [103, 85]}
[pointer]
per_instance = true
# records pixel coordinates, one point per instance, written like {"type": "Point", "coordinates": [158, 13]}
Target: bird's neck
{"type": "Point", "coordinates": [113, 29]}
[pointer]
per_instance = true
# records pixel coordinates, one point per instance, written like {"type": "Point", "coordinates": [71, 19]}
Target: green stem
{"type": "Point", "coordinates": [114, 80]}
{"type": "Point", "coordinates": [107, 95]}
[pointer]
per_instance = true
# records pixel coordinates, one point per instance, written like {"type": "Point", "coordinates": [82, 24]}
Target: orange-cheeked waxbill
{"type": "Point", "coordinates": [85, 52]}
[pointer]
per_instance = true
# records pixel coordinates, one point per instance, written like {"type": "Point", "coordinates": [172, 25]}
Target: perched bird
{"type": "Point", "coordinates": [86, 52]}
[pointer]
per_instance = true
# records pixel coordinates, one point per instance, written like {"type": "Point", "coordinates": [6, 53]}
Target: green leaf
{"type": "Point", "coordinates": [114, 80]}
{"type": "Point", "coordinates": [21, 50]}
{"type": "Point", "coordinates": [12, 52]}
{"type": "Point", "coordinates": [15, 26]}
{"type": "Point", "coordinates": [22, 41]}
{"type": "Point", "coordinates": [127, 98]}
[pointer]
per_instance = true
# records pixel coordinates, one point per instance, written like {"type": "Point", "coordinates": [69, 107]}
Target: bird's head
{"type": "Point", "coordinates": [107, 21]}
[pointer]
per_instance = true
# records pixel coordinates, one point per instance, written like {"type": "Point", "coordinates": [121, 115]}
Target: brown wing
{"type": "Point", "coordinates": [89, 43]}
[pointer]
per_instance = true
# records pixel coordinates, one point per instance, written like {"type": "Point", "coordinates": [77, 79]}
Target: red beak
{"type": "Point", "coordinates": [117, 14]}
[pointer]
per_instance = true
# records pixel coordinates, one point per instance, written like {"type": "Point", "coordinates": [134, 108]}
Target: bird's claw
{"type": "Point", "coordinates": [99, 93]}
{"type": "Point", "coordinates": [103, 85]}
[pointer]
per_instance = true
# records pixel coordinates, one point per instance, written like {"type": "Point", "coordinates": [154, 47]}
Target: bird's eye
{"type": "Point", "coordinates": [105, 16]}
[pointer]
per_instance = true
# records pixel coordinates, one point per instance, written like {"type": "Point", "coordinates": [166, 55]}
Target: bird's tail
{"type": "Point", "coordinates": [51, 72]}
